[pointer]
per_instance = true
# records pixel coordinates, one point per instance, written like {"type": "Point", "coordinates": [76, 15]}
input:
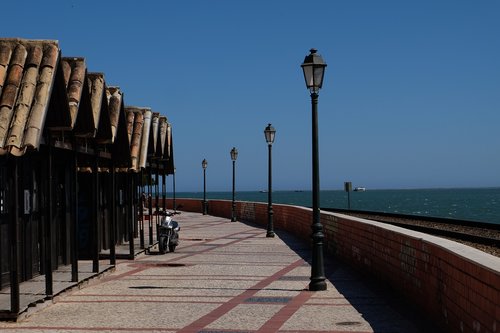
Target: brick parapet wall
{"type": "Point", "coordinates": [456, 285]}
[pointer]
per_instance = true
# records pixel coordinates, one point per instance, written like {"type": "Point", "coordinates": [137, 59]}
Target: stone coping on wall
{"type": "Point", "coordinates": [466, 252]}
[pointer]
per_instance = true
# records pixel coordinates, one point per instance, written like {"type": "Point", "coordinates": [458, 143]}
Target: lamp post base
{"type": "Point", "coordinates": [317, 285]}
{"type": "Point", "coordinates": [270, 234]}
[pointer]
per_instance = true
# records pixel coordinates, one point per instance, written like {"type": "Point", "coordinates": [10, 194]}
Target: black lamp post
{"type": "Point", "coordinates": [269, 133]}
{"type": "Point", "coordinates": [314, 70]}
{"type": "Point", "coordinates": [173, 186]}
{"type": "Point", "coordinates": [234, 156]}
{"type": "Point", "coordinates": [204, 164]}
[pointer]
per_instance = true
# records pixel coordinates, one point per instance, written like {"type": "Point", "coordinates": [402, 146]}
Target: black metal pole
{"type": "Point", "coordinates": [173, 185]}
{"type": "Point", "coordinates": [74, 224]}
{"type": "Point", "coordinates": [142, 203]}
{"type": "Point", "coordinates": [95, 214]}
{"type": "Point", "coordinates": [13, 244]}
{"type": "Point", "coordinates": [317, 269]}
{"type": "Point", "coordinates": [204, 192]}
{"type": "Point", "coordinates": [164, 190]}
{"type": "Point", "coordinates": [3, 202]}
{"type": "Point", "coordinates": [131, 208]}
{"type": "Point", "coordinates": [113, 227]}
{"type": "Point", "coordinates": [150, 205]}
{"type": "Point", "coordinates": [233, 206]}
{"type": "Point", "coordinates": [134, 203]}
{"type": "Point", "coordinates": [270, 226]}
{"type": "Point", "coordinates": [48, 229]}
{"type": "Point", "coordinates": [157, 203]}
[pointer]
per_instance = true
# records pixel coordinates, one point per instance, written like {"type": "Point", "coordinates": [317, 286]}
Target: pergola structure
{"type": "Point", "coordinates": [72, 156]}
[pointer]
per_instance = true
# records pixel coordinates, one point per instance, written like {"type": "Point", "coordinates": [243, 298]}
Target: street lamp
{"type": "Point", "coordinates": [314, 70]}
{"type": "Point", "coordinates": [234, 156]}
{"type": "Point", "coordinates": [269, 133]}
{"type": "Point", "coordinates": [204, 164]}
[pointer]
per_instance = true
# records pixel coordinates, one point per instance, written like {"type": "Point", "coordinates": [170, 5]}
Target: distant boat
{"type": "Point", "coordinates": [360, 189]}
{"type": "Point", "coordinates": [262, 191]}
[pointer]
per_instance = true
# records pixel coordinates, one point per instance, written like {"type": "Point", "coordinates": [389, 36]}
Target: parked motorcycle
{"type": "Point", "coordinates": [168, 233]}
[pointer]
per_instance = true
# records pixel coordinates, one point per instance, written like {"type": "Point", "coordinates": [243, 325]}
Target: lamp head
{"type": "Point", "coordinates": [314, 71]}
{"type": "Point", "coordinates": [269, 133]}
{"type": "Point", "coordinates": [234, 154]}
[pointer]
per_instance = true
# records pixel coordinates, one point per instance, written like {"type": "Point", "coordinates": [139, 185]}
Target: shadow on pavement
{"type": "Point", "coordinates": [368, 296]}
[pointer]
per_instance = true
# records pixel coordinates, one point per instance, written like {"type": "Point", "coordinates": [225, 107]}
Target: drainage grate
{"type": "Point", "coordinates": [170, 265]}
{"type": "Point", "coordinates": [159, 264]}
{"type": "Point", "coordinates": [349, 323]}
{"type": "Point", "coordinates": [294, 278]}
{"type": "Point", "coordinates": [211, 331]}
{"type": "Point", "coordinates": [268, 300]}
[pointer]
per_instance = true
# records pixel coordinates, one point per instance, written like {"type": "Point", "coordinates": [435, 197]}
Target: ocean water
{"type": "Point", "coordinates": [473, 204]}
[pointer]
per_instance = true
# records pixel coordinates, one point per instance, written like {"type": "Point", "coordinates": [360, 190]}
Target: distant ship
{"type": "Point", "coordinates": [360, 189]}
{"type": "Point", "coordinates": [262, 191]}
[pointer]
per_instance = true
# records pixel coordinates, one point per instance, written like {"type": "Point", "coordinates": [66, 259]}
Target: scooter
{"type": "Point", "coordinates": [168, 233]}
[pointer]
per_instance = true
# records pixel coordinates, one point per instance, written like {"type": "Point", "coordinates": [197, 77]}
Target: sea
{"type": "Point", "coordinates": [471, 204]}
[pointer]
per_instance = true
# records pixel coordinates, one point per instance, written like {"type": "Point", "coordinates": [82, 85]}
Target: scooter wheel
{"type": "Point", "coordinates": [162, 245]}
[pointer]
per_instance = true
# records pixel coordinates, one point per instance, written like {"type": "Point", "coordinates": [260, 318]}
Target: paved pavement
{"type": "Point", "coordinates": [224, 277]}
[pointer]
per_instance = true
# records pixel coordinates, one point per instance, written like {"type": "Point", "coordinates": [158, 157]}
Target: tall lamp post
{"type": "Point", "coordinates": [269, 133]}
{"type": "Point", "coordinates": [204, 164]}
{"type": "Point", "coordinates": [173, 185]}
{"type": "Point", "coordinates": [314, 70]}
{"type": "Point", "coordinates": [234, 156]}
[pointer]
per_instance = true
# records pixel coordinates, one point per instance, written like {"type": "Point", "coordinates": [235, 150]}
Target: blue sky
{"type": "Point", "coordinates": [411, 97]}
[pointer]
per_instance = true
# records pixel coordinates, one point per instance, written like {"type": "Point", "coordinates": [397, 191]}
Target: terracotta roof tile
{"type": "Point", "coordinates": [97, 95]}
{"type": "Point", "coordinates": [146, 130]}
{"type": "Point", "coordinates": [153, 135]}
{"type": "Point", "coordinates": [163, 135]}
{"type": "Point", "coordinates": [130, 124]}
{"type": "Point", "coordinates": [165, 139]}
{"type": "Point", "coordinates": [140, 135]}
{"type": "Point", "coordinates": [27, 73]}
{"type": "Point", "coordinates": [83, 120]}
{"type": "Point", "coordinates": [5, 54]}
{"type": "Point", "coordinates": [12, 82]}
{"type": "Point", "coordinates": [35, 56]}
{"type": "Point", "coordinates": [168, 146]}
{"type": "Point", "coordinates": [74, 70]}
{"type": "Point", "coordinates": [136, 134]}
{"type": "Point", "coordinates": [114, 96]}
{"type": "Point", "coordinates": [169, 151]}
{"type": "Point", "coordinates": [42, 96]}
{"type": "Point", "coordinates": [121, 143]}
{"type": "Point", "coordinates": [50, 56]}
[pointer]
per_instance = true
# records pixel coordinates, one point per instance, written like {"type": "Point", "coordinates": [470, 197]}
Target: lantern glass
{"type": "Point", "coordinates": [234, 154]}
{"type": "Point", "coordinates": [269, 133]}
{"type": "Point", "coordinates": [204, 164]}
{"type": "Point", "coordinates": [314, 71]}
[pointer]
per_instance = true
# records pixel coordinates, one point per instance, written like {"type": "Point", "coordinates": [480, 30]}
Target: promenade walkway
{"type": "Point", "coordinates": [224, 277]}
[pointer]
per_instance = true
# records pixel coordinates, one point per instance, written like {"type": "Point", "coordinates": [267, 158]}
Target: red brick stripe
{"type": "Point", "coordinates": [273, 324]}
{"type": "Point", "coordinates": [199, 324]}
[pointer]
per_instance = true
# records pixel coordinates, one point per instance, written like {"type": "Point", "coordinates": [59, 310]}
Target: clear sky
{"type": "Point", "coordinates": [411, 97]}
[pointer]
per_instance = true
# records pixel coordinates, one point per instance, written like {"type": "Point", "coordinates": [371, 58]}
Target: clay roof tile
{"type": "Point", "coordinates": [74, 76]}
{"type": "Point", "coordinates": [27, 74]}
